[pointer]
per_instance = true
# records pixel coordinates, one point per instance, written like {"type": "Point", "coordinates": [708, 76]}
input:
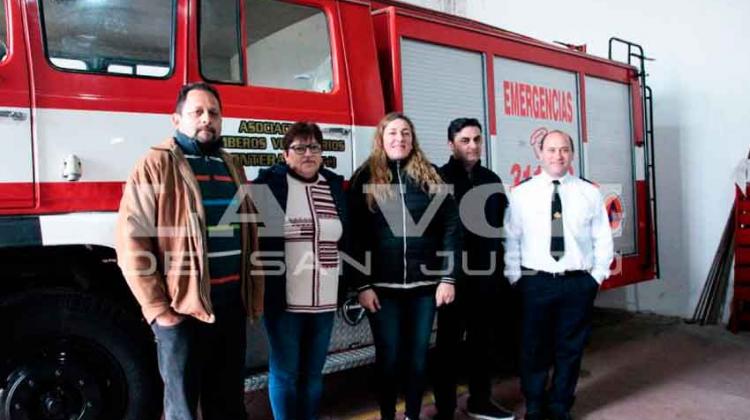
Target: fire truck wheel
{"type": "Point", "coordinates": [68, 355]}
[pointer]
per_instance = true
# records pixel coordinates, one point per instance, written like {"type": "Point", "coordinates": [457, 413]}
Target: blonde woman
{"type": "Point", "coordinates": [405, 221]}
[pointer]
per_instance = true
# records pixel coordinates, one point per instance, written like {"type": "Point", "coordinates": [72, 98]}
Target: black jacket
{"type": "Point", "coordinates": [403, 258]}
{"type": "Point", "coordinates": [478, 246]}
{"type": "Point", "coordinates": [272, 227]}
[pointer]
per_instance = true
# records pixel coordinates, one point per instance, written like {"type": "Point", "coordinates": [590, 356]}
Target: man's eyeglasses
{"type": "Point", "coordinates": [301, 148]}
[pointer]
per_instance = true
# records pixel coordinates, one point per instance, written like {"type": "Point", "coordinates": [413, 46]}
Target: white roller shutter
{"type": "Point", "coordinates": [439, 84]}
{"type": "Point", "coordinates": [609, 155]}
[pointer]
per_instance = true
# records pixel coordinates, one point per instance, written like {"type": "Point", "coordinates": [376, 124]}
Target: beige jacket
{"type": "Point", "coordinates": [161, 238]}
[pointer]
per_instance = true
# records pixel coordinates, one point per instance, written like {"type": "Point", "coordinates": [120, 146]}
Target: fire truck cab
{"type": "Point", "coordinates": [87, 86]}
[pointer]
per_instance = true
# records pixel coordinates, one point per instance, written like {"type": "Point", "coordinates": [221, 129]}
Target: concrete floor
{"type": "Point", "coordinates": [635, 367]}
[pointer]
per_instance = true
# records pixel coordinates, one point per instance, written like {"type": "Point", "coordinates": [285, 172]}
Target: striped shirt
{"type": "Point", "coordinates": [218, 191]}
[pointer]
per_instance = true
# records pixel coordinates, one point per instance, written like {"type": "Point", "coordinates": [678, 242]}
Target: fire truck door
{"type": "Point", "coordinates": [16, 169]}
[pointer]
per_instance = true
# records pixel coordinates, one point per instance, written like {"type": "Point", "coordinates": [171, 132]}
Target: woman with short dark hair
{"type": "Point", "coordinates": [302, 299]}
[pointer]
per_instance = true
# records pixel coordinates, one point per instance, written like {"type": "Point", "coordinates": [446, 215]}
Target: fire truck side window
{"type": "Point", "coordinates": [132, 37]}
{"type": "Point", "coordinates": [220, 41]}
{"type": "Point", "coordinates": [3, 32]}
{"type": "Point", "coordinates": [288, 45]}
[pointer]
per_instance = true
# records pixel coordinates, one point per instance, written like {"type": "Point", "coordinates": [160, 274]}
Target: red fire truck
{"type": "Point", "coordinates": [86, 86]}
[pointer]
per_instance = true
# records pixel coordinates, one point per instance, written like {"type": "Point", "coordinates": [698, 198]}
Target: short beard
{"type": "Point", "coordinates": [213, 138]}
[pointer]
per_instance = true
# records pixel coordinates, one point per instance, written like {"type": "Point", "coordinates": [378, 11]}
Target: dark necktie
{"type": "Point", "coordinates": [557, 241]}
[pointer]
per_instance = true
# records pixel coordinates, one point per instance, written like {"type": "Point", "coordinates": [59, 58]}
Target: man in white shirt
{"type": "Point", "coordinates": [558, 251]}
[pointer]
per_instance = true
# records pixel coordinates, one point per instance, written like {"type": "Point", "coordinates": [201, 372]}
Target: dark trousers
{"type": "Point", "coordinates": [401, 330]}
{"type": "Point", "coordinates": [472, 312]}
{"type": "Point", "coordinates": [299, 345]}
{"type": "Point", "coordinates": [556, 323]}
{"type": "Point", "coordinates": [206, 362]}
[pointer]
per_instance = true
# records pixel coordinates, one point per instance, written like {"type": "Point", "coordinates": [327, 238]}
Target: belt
{"type": "Point", "coordinates": [528, 271]}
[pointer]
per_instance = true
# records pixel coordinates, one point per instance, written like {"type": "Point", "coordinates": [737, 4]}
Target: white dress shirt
{"type": "Point", "coordinates": [587, 234]}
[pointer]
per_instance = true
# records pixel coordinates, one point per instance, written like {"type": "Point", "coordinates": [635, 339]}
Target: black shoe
{"type": "Point", "coordinates": [535, 416]}
{"type": "Point", "coordinates": [488, 411]}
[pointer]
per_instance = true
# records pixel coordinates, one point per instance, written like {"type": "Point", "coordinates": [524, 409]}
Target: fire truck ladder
{"type": "Point", "coordinates": [637, 58]}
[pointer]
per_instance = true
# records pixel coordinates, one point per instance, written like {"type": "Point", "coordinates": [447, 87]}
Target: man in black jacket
{"type": "Point", "coordinates": [482, 202]}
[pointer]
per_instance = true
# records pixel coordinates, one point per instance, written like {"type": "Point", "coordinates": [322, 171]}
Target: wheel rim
{"type": "Point", "coordinates": [63, 379]}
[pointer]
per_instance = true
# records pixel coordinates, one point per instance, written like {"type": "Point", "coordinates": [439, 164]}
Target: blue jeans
{"type": "Point", "coordinates": [401, 330]}
{"type": "Point", "coordinates": [299, 345]}
{"type": "Point", "coordinates": [206, 361]}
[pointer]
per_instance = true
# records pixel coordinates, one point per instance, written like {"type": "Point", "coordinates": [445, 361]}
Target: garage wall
{"type": "Point", "coordinates": [701, 86]}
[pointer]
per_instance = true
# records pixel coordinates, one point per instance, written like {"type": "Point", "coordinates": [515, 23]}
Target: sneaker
{"type": "Point", "coordinates": [489, 411]}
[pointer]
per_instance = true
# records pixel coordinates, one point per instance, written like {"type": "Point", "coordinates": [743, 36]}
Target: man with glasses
{"type": "Point", "coordinates": [188, 265]}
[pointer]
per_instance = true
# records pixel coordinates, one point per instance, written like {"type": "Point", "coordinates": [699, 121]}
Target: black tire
{"type": "Point", "coordinates": [69, 355]}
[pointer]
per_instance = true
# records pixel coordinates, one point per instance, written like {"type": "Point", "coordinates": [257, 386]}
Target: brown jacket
{"type": "Point", "coordinates": [161, 238]}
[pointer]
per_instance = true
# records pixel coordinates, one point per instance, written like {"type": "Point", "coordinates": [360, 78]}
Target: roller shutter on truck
{"type": "Point", "coordinates": [439, 84]}
{"type": "Point", "coordinates": [609, 155]}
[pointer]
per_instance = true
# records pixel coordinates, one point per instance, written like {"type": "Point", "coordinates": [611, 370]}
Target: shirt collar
{"type": "Point", "coordinates": [547, 179]}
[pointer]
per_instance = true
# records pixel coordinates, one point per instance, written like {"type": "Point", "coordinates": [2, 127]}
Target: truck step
{"type": "Point", "coordinates": [335, 362]}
